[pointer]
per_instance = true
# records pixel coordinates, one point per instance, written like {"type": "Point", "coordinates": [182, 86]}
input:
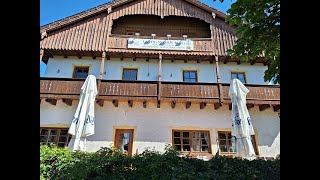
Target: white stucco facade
{"type": "Point", "coordinates": [152, 126]}
{"type": "Point", "coordinates": [148, 71]}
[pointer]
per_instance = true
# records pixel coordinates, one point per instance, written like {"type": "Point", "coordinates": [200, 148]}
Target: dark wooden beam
{"type": "Point", "coordinates": [249, 106]}
{"type": "Point", "coordinates": [264, 107]}
{"type": "Point", "coordinates": [217, 105]}
{"type": "Point", "coordinates": [172, 60]}
{"type": "Point", "coordinates": [230, 107]}
{"type": "Point", "coordinates": [158, 104]}
{"type": "Point", "coordinates": [147, 59]}
{"type": "Point", "coordinates": [130, 103]}
{"type": "Point", "coordinates": [52, 101]}
{"type": "Point", "coordinates": [49, 52]}
{"type": "Point", "coordinates": [134, 58]}
{"type": "Point", "coordinates": [100, 102]}
{"type": "Point", "coordinates": [211, 61]}
{"type": "Point", "coordinates": [173, 104]}
{"type": "Point", "coordinates": [121, 56]}
{"type": "Point", "coordinates": [267, 62]}
{"type": "Point", "coordinates": [67, 101]}
{"type": "Point", "coordinates": [144, 103]}
{"type": "Point", "coordinates": [107, 56]}
{"type": "Point", "coordinates": [199, 59]}
{"type": "Point", "coordinates": [78, 54]}
{"type": "Point", "coordinates": [64, 54]}
{"type": "Point", "coordinates": [188, 104]}
{"type": "Point", "coordinates": [238, 61]}
{"type": "Point", "coordinates": [203, 105]}
{"type": "Point", "coordinates": [185, 60]}
{"type": "Point", "coordinates": [276, 108]}
{"type": "Point", "coordinates": [115, 103]}
{"type": "Point", "coordinates": [226, 60]}
{"type": "Point", "coordinates": [93, 55]}
{"type": "Point", "coordinates": [252, 62]}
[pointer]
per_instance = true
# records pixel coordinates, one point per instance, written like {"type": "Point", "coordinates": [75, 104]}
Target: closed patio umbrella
{"type": "Point", "coordinates": [242, 127]}
{"type": "Point", "coordinates": [82, 124]}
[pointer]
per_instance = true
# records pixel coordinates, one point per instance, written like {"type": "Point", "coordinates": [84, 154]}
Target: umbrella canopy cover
{"type": "Point", "coordinates": [242, 127]}
{"type": "Point", "coordinates": [82, 124]}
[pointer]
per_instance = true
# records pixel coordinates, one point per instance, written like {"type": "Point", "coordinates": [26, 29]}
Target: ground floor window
{"type": "Point", "coordinates": [57, 136]}
{"type": "Point", "coordinates": [227, 143]}
{"type": "Point", "coordinates": [191, 141]}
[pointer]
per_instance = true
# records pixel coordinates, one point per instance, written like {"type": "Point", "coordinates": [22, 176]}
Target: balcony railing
{"type": "Point", "coordinates": [62, 87]}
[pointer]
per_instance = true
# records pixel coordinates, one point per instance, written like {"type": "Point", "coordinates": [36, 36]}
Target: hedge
{"type": "Point", "coordinates": [108, 163]}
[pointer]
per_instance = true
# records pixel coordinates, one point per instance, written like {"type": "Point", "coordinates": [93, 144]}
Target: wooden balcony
{"type": "Point", "coordinates": [53, 89]}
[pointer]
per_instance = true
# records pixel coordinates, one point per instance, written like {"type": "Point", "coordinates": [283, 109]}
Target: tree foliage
{"type": "Point", "coordinates": [110, 163]}
{"type": "Point", "coordinates": [258, 33]}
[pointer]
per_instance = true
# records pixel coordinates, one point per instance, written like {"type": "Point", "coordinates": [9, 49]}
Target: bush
{"type": "Point", "coordinates": [107, 163]}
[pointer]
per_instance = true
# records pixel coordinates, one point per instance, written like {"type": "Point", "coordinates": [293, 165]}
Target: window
{"type": "Point", "coordinates": [58, 136]}
{"type": "Point", "coordinates": [191, 141]}
{"type": "Point", "coordinates": [239, 75]}
{"type": "Point", "coordinates": [227, 143]}
{"type": "Point", "coordinates": [80, 72]}
{"type": "Point", "coordinates": [189, 76]}
{"type": "Point", "coordinates": [130, 74]}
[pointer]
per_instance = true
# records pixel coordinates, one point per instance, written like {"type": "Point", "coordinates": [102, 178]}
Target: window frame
{"type": "Point", "coordinates": [80, 67]}
{"type": "Point", "coordinates": [66, 142]}
{"type": "Point", "coordinates": [190, 141]}
{"type": "Point", "coordinates": [123, 70]}
{"type": "Point", "coordinates": [196, 73]}
{"type": "Point", "coordinates": [253, 140]}
{"type": "Point", "coordinates": [237, 73]}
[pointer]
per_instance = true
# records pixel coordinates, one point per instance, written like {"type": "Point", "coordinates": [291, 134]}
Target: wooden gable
{"type": "Point", "coordinates": [90, 30]}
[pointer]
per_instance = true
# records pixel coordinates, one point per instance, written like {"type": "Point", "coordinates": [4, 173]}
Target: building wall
{"type": "Point", "coordinates": [153, 125]}
{"type": "Point", "coordinates": [148, 71]}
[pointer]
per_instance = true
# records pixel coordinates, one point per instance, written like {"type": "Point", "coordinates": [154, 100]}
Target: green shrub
{"type": "Point", "coordinates": [108, 163]}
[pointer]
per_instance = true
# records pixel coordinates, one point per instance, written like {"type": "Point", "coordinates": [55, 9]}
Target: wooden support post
{"type": "Point", "coordinates": [101, 70]}
{"type": "Point", "coordinates": [115, 103]}
{"type": "Point", "coordinates": [219, 81]}
{"type": "Point", "coordinates": [41, 54]}
{"type": "Point", "coordinates": [249, 106]}
{"type": "Point", "coordinates": [217, 105]}
{"type": "Point", "coordinates": [158, 104]}
{"type": "Point", "coordinates": [159, 76]}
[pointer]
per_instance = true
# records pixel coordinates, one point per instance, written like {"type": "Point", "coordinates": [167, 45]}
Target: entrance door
{"type": "Point", "coordinates": [124, 140]}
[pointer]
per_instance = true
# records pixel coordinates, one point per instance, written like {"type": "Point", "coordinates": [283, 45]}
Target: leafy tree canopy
{"type": "Point", "coordinates": [258, 33]}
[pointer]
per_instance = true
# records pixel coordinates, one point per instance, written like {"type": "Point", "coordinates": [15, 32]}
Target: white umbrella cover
{"type": "Point", "coordinates": [82, 124]}
{"type": "Point", "coordinates": [242, 127]}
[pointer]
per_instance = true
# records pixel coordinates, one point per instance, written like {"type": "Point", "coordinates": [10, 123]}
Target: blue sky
{"type": "Point", "coordinates": [53, 10]}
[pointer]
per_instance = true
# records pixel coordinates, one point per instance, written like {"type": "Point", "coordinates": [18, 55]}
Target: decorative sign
{"type": "Point", "coordinates": [161, 44]}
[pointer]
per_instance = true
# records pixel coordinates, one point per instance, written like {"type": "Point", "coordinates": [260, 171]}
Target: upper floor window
{"type": "Point", "coordinates": [239, 75]}
{"type": "Point", "coordinates": [191, 141]}
{"type": "Point", "coordinates": [130, 74]}
{"type": "Point", "coordinates": [80, 72]}
{"type": "Point", "coordinates": [189, 76]}
{"type": "Point", "coordinates": [57, 136]}
{"type": "Point", "coordinates": [227, 143]}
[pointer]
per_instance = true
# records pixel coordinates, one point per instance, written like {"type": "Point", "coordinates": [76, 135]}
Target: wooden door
{"type": "Point", "coordinates": [124, 140]}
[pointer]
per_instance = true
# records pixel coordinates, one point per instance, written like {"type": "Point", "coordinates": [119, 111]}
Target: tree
{"type": "Point", "coordinates": [258, 33]}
